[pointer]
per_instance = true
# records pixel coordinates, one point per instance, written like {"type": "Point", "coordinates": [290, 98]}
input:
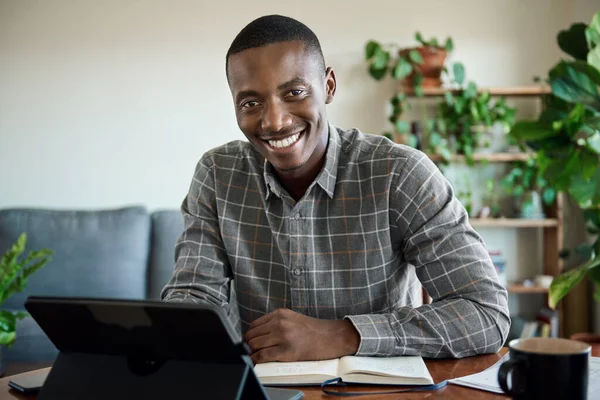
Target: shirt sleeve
{"type": "Point", "coordinates": [469, 312]}
{"type": "Point", "coordinates": [202, 271]}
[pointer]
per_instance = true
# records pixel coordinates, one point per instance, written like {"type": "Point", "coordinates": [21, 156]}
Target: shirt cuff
{"type": "Point", "coordinates": [376, 335]}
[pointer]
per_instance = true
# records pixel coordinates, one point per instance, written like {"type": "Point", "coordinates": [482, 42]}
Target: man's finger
{"type": "Point", "coordinates": [268, 354]}
{"type": "Point", "coordinates": [262, 320]}
{"type": "Point", "coordinates": [261, 342]}
{"type": "Point", "coordinates": [257, 331]}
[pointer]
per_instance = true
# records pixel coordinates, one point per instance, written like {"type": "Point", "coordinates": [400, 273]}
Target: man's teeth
{"type": "Point", "coordinates": [287, 142]}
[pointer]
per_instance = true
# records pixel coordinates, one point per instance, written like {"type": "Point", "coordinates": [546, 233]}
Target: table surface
{"type": "Point", "coordinates": [440, 370]}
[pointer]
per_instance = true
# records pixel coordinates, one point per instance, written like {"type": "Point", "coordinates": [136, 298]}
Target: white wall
{"type": "Point", "coordinates": [105, 103]}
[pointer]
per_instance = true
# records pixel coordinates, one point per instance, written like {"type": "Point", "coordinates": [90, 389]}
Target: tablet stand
{"type": "Point", "coordinates": [101, 376]}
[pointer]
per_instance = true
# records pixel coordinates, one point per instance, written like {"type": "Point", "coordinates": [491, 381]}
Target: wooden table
{"type": "Point", "coordinates": [440, 370]}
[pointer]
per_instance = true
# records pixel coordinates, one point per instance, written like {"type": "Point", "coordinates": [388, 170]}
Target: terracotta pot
{"type": "Point", "coordinates": [593, 339]}
{"type": "Point", "coordinates": [431, 69]}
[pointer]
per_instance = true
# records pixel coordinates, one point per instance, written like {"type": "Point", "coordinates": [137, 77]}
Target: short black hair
{"type": "Point", "coordinates": [275, 29]}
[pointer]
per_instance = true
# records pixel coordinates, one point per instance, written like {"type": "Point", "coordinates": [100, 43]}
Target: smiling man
{"type": "Point", "coordinates": [316, 240]}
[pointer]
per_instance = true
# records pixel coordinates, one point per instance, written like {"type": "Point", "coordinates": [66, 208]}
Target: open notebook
{"type": "Point", "coordinates": [371, 370]}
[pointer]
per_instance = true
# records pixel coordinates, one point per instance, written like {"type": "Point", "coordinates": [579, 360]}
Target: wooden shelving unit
{"type": "Point", "coordinates": [512, 91]}
{"type": "Point", "coordinates": [489, 157]}
{"type": "Point", "coordinates": [513, 223]}
{"type": "Point", "coordinates": [551, 226]}
{"type": "Point", "coordinates": [526, 289]}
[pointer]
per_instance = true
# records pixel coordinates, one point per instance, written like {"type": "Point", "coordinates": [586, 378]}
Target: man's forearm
{"type": "Point", "coordinates": [449, 328]}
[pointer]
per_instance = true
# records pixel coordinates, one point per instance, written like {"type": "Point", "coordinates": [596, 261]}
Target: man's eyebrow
{"type": "Point", "coordinates": [295, 81]}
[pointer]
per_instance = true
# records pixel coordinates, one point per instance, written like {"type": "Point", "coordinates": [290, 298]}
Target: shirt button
{"type": "Point", "coordinates": [297, 217]}
{"type": "Point", "coordinates": [297, 271]}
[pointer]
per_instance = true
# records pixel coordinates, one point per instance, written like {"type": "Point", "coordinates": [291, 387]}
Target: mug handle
{"type": "Point", "coordinates": [505, 369]}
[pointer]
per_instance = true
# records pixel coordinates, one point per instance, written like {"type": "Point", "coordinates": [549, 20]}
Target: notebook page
{"type": "Point", "coordinates": [405, 366]}
{"type": "Point", "coordinates": [299, 368]}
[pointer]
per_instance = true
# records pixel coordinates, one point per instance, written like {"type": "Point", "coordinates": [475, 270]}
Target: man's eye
{"type": "Point", "coordinates": [296, 92]}
{"type": "Point", "coordinates": [250, 104]}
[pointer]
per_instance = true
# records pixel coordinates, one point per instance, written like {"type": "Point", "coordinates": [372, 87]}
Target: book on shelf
{"type": "Point", "coordinates": [405, 370]}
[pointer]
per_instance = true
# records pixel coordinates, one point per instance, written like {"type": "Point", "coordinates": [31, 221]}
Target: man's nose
{"type": "Point", "coordinates": [275, 118]}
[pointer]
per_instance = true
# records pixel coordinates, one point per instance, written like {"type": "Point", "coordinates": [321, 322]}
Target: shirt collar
{"type": "Point", "coordinates": [326, 178]}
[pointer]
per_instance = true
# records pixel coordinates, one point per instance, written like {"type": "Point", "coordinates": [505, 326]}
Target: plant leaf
{"type": "Point", "coordinates": [562, 284]}
{"type": "Point", "coordinates": [449, 46]}
{"type": "Point", "coordinates": [592, 33]}
{"type": "Point", "coordinates": [8, 322]}
{"type": "Point", "coordinates": [419, 38]}
{"type": "Point", "coordinates": [417, 82]}
{"type": "Point", "coordinates": [585, 191]}
{"type": "Point", "coordinates": [402, 126]}
{"type": "Point", "coordinates": [402, 68]}
{"type": "Point", "coordinates": [7, 338]}
{"type": "Point", "coordinates": [589, 164]}
{"type": "Point", "coordinates": [576, 82]}
{"type": "Point", "coordinates": [531, 131]}
{"type": "Point", "coordinates": [377, 73]}
{"type": "Point", "coordinates": [593, 142]}
{"type": "Point", "coordinates": [593, 57]}
{"type": "Point", "coordinates": [370, 49]}
{"type": "Point", "coordinates": [549, 195]}
{"type": "Point", "coordinates": [471, 91]}
{"type": "Point", "coordinates": [459, 72]}
{"type": "Point", "coordinates": [381, 58]}
{"type": "Point", "coordinates": [415, 56]}
{"type": "Point", "coordinates": [573, 41]}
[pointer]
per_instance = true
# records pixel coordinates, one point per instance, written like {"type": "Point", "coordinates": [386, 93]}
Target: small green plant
{"type": "Point", "coordinates": [465, 196]}
{"type": "Point", "coordinates": [465, 111]}
{"type": "Point", "coordinates": [526, 176]}
{"type": "Point", "coordinates": [491, 199]}
{"type": "Point", "coordinates": [13, 278]}
{"type": "Point", "coordinates": [387, 58]}
{"type": "Point", "coordinates": [525, 183]}
{"type": "Point", "coordinates": [433, 42]}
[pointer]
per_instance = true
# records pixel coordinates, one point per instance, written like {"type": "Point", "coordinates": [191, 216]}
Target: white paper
{"type": "Point", "coordinates": [485, 380]}
{"type": "Point", "coordinates": [488, 379]}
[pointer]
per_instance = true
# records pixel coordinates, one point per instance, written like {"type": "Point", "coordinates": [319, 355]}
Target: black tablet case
{"type": "Point", "coordinates": [114, 349]}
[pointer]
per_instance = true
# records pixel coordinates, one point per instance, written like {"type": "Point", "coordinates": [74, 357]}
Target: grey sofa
{"type": "Point", "coordinates": [125, 253]}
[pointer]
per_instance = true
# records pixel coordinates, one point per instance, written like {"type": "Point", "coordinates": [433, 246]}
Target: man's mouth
{"type": "Point", "coordinates": [285, 142]}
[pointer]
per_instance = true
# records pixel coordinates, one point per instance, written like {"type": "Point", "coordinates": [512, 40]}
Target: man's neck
{"type": "Point", "coordinates": [296, 184]}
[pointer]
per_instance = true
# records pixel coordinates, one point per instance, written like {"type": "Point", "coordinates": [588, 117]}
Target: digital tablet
{"type": "Point", "coordinates": [148, 332]}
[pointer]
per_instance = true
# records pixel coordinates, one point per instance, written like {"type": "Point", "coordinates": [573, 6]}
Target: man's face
{"type": "Point", "coordinates": [279, 93]}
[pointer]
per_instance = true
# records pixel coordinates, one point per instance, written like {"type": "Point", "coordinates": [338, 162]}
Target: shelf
{"type": "Point", "coordinates": [526, 289]}
{"type": "Point", "coordinates": [490, 157]}
{"type": "Point", "coordinates": [512, 223]}
{"type": "Point", "coordinates": [512, 91]}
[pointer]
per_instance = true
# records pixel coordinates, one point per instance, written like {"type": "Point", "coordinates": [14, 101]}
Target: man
{"type": "Point", "coordinates": [316, 240]}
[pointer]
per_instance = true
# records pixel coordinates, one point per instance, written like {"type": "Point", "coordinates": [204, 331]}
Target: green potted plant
{"type": "Point", "coordinates": [566, 139]}
{"type": "Point", "coordinates": [14, 273]}
{"type": "Point", "coordinates": [417, 66]}
{"type": "Point", "coordinates": [466, 116]}
{"type": "Point", "coordinates": [528, 188]}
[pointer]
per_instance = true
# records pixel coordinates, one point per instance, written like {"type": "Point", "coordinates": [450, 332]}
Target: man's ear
{"type": "Point", "coordinates": [330, 85]}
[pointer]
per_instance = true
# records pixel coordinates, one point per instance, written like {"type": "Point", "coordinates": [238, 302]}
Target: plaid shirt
{"type": "Point", "coordinates": [378, 221]}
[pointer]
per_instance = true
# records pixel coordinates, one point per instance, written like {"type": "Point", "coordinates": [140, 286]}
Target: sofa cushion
{"type": "Point", "coordinates": [96, 254]}
{"type": "Point", "coordinates": [167, 226]}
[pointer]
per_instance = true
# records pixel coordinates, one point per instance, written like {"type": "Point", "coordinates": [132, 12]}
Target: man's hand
{"type": "Point", "coordinates": [285, 335]}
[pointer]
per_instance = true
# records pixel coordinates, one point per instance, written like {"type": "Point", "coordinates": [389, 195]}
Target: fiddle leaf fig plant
{"type": "Point", "coordinates": [566, 140]}
{"type": "Point", "coordinates": [13, 278]}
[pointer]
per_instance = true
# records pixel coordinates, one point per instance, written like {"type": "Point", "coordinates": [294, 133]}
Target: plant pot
{"type": "Point", "coordinates": [490, 139]}
{"type": "Point", "coordinates": [431, 69]}
{"type": "Point", "coordinates": [529, 205]}
{"type": "Point", "coordinates": [593, 339]}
